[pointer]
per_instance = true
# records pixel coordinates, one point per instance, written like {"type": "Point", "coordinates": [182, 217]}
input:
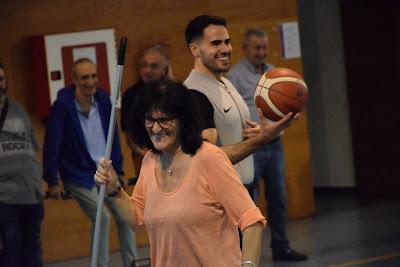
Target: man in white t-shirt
{"type": "Point", "coordinates": [209, 43]}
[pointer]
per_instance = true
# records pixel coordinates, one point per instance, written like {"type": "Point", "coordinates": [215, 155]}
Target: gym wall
{"type": "Point", "coordinates": [143, 23]}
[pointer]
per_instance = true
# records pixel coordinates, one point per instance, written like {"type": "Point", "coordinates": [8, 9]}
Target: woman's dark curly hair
{"type": "Point", "coordinates": [173, 99]}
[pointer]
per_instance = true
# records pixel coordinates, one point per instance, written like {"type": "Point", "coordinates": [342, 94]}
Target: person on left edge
{"type": "Point", "coordinates": [21, 193]}
{"type": "Point", "coordinates": [75, 139]}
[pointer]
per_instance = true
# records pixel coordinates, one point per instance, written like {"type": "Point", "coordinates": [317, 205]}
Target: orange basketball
{"type": "Point", "coordinates": [280, 91]}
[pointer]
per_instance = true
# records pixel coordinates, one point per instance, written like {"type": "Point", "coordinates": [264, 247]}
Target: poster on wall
{"type": "Point", "coordinates": [96, 52]}
{"type": "Point", "coordinates": [87, 52]}
{"type": "Point", "coordinates": [290, 41]}
{"type": "Point", "coordinates": [53, 55]}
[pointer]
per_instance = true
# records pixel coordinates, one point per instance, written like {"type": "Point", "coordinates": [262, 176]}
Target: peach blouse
{"type": "Point", "coordinates": [197, 223]}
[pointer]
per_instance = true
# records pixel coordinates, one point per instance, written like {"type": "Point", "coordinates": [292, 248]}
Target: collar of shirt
{"type": "Point", "coordinates": [92, 131]}
{"type": "Point", "coordinates": [251, 67]}
{"type": "Point", "coordinates": [93, 104]}
{"type": "Point", "coordinates": [220, 83]}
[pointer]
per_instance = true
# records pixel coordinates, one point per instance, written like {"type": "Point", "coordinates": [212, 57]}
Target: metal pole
{"type": "Point", "coordinates": [114, 97]}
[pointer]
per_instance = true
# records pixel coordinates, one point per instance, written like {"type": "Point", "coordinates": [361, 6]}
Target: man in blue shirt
{"type": "Point", "coordinates": [75, 139]}
{"type": "Point", "coordinates": [269, 159]}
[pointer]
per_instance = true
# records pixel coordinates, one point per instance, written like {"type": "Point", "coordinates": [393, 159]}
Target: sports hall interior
{"type": "Point", "coordinates": [342, 180]}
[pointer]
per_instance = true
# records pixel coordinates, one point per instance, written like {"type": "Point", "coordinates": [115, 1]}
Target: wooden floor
{"type": "Point", "coordinates": [66, 235]}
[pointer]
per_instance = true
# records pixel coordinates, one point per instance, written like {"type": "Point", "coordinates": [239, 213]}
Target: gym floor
{"type": "Point", "coordinates": [345, 231]}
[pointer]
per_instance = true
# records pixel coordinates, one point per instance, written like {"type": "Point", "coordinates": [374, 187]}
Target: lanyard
{"type": "Point", "coordinates": [3, 114]}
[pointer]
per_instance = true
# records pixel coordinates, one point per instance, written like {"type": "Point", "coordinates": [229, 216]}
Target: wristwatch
{"type": "Point", "coordinates": [116, 191]}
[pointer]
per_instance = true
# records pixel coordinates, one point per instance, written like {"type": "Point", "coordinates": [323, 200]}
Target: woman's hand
{"type": "Point", "coordinates": [57, 191]}
{"type": "Point", "coordinates": [106, 174]}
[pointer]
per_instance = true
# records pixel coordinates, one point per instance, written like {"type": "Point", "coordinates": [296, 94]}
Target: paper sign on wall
{"type": "Point", "coordinates": [290, 41]}
{"type": "Point", "coordinates": [84, 52]}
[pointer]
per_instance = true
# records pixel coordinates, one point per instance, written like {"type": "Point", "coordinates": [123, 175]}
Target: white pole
{"type": "Point", "coordinates": [114, 98]}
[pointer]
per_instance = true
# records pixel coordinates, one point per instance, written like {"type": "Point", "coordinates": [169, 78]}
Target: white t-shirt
{"type": "Point", "coordinates": [230, 111]}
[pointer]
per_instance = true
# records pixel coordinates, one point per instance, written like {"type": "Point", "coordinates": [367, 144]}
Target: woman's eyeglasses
{"type": "Point", "coordinates": [163, 122]}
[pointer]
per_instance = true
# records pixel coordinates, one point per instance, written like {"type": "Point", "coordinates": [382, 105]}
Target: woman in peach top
{"type": "Point", "coordinates": [188, 194]}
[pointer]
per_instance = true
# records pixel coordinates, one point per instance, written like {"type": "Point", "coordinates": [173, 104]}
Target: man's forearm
{"type": "Point", "coordinates": [239, 151]}
{"type": "Point", "coordinates": [125, 208]}
{"type": "Point", "coordinates": [266, 131]}
{"type": "Point", "coordinates": [136, 150]}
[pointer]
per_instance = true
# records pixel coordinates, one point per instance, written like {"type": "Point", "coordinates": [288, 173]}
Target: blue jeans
{"type": "Point", "coordinates": [20, 235]}
{"type": "Point", "coordinates": [87, 200]}
{"type": "Point", "coordinates": [269, 165]}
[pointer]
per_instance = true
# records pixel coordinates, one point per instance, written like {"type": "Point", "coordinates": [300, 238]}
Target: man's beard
{"type": "Point", "coordinates": [214, 68]}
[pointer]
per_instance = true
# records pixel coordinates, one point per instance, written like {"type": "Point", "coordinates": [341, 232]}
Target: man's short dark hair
{"type": "Point", "coordinates": [194, 29]}
{"type": "Point", "coordinates": [173, 99]}
{"type": "Point", "coordinates": [1, 66]}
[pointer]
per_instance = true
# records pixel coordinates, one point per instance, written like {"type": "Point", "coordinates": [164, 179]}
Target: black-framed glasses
{"type": "Point", "coordinates": [163, 122]}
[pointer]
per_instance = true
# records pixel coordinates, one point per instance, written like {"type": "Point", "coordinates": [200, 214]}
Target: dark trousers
{"type": "Point", "coordinates": [20, 235]}
{"type": "Point", "coordinates": [269, 165]}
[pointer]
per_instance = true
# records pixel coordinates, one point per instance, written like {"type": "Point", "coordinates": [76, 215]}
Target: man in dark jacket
{"type": "Point", "coordinates": [75, 139]}
{"type": "Point", "coordinates": [153, 65]}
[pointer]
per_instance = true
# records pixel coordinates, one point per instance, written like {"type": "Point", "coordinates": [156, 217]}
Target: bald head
{"type": "Point", "coordinates": [84, 73]}
{"type": "Point", "coordinates": [153, 64]}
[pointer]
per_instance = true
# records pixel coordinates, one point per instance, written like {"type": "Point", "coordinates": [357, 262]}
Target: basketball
{"type": "Point", "coordinates": [280, 91]}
